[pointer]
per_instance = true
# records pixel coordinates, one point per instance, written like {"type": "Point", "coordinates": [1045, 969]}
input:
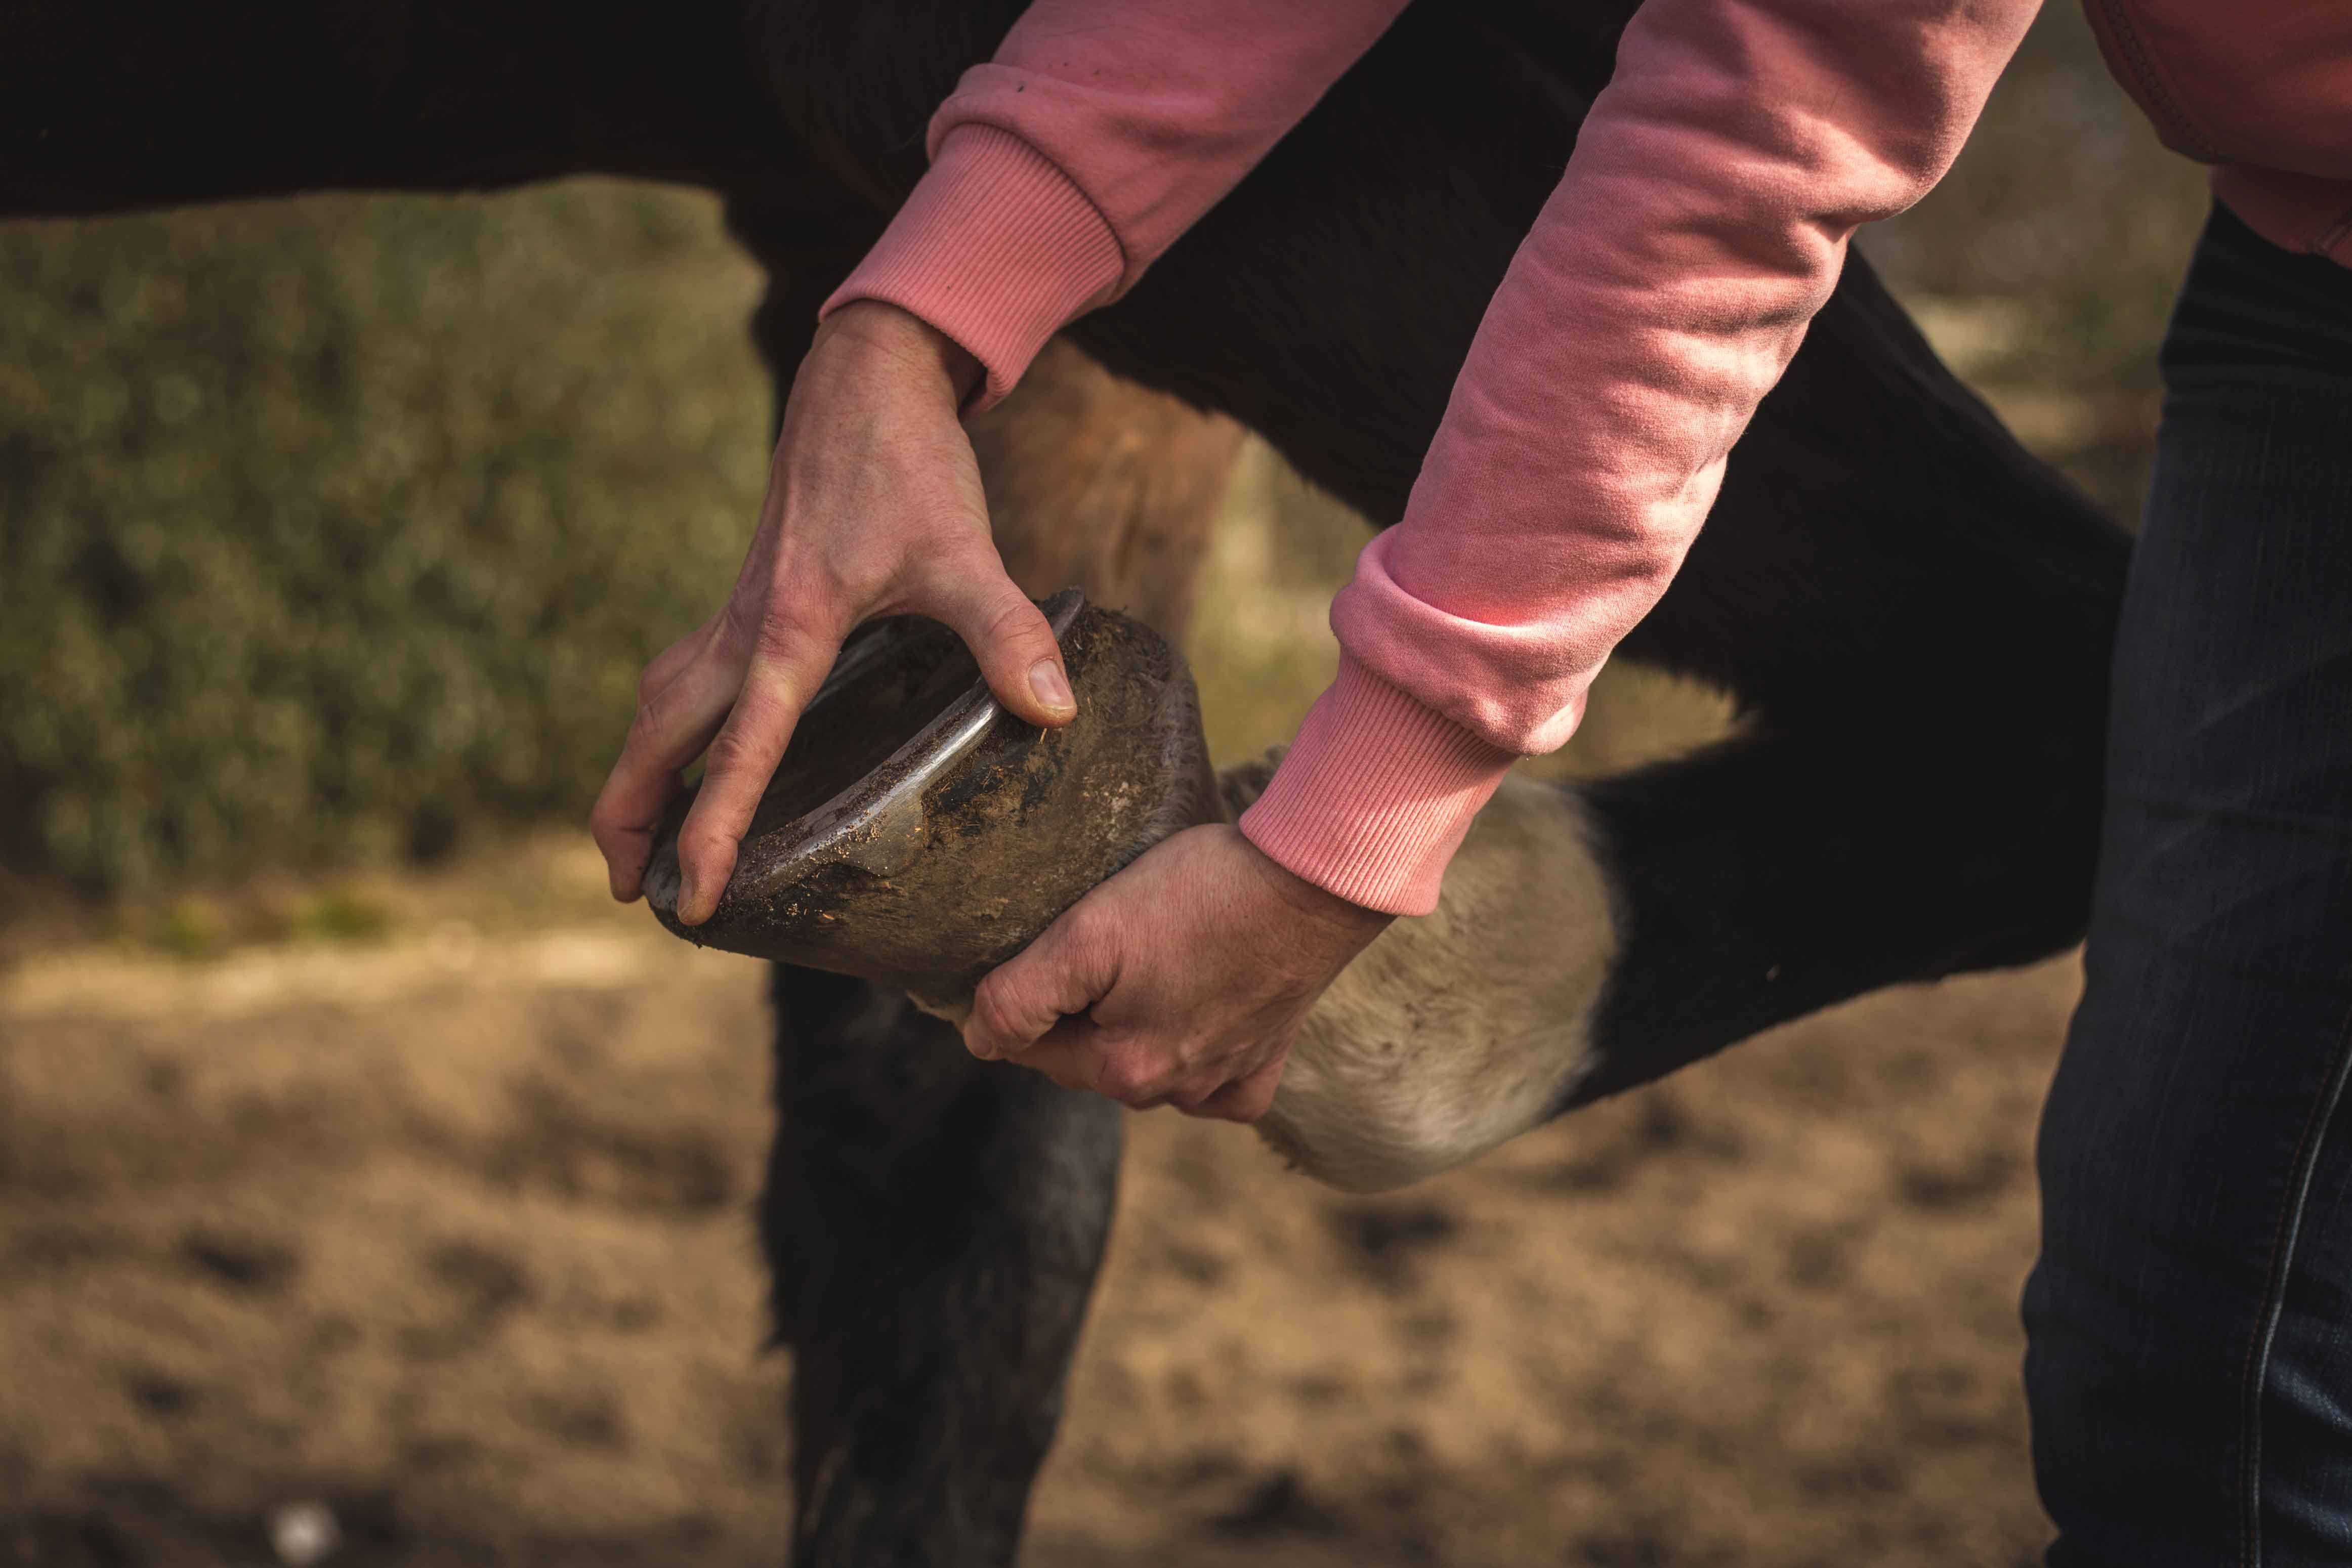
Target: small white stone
{"type": "Point", "coordinates": [303, 1533]}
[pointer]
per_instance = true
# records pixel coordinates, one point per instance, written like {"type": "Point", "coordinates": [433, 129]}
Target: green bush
{"type": "Point", "coordinates": [330, 528]}
{"type": "Point", "coordinates": [2068, 220]}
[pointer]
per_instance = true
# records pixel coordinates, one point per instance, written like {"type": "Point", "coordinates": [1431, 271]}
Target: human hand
{"type": "Point", "coordinates": [1182, 980]}
{"type": "Point", "coordinates": [873, 508]}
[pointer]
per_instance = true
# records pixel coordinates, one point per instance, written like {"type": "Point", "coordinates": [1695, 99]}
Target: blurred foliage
{"type": "Point", "coordinates": [2045, 264]}
{"type": "Point", "coordinates": [329, 526]}
{"type": "Point", "coordinates": [194, 926]}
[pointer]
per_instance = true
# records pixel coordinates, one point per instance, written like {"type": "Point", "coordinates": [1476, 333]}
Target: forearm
{"type": "Point", "coordinates": [1700, 224]}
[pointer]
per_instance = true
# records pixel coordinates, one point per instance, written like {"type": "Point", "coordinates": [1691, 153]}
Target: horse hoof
{"type": "Point", "coordinates": [918, 835]}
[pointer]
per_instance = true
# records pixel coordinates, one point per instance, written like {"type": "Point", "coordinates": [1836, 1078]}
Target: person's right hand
{"type": "Point", "coordinates": [873, 508]}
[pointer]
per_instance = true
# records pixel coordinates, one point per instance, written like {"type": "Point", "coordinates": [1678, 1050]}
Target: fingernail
{"type": "Point", "coordinates": [1052, 687]}
{"type": "Point", "coordinates": [689, 901]}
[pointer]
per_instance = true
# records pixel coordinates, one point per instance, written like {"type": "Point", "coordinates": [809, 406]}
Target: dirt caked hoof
{"type": "Point", "coordinates": [917, 834]}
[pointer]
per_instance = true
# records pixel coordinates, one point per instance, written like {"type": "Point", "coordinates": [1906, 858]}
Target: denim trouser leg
{"type": "Point", "coordinates": [2189, 1321]}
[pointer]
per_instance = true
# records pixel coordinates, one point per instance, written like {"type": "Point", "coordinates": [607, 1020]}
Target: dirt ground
{"type": "Point", "coordinates": [447, 1232]}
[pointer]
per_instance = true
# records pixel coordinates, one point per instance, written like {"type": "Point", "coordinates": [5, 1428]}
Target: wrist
{"type": "Point", "coordinates": [1318, 905]}
{"type": "Point", "coordinates": [1374, 797]}
{"type": "Point", "coordinates": [995, 247]}
{"type": "Point", "coordinates": [877, 327]}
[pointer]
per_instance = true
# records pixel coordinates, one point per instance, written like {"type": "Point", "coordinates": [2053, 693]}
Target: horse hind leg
{"type": "Point", "coordinates": [1905, 797]}
{"type": "Point", "coordinates": [1912, 613]}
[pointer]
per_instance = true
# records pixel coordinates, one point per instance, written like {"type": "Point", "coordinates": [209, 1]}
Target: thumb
{"type": "Point", "coordinates": [1018, 655]}
{"type": "Point", "coordinates": [1062, 973]}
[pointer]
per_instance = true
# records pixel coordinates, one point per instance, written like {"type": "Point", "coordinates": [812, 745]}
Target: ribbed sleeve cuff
{"type": "Point", "coordinates": [1375, 795]}
{"type": "Point", "coordinates": [996, 248]}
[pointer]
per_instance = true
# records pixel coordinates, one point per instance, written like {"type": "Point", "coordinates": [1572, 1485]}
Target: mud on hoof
{"type": "Point", "coordinates": [917, 837]}
{"type": "Point", "coordinates": [1455, 1032]}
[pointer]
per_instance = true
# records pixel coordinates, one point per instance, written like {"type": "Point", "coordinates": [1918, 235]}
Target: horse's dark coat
{"type": "Point", "coordinates": [1912, 611]}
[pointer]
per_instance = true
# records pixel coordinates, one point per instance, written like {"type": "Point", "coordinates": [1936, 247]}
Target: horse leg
{"type": "Point", "coordinates": [934, 1227]}
{"type": "Point", "coordinates": [1912, 611]}
{"type": "Point", "coordinates": [934, 1223]}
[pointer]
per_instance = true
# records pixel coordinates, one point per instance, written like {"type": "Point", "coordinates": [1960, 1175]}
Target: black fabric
{"type": "Point", "coordinates": [2251, 305]}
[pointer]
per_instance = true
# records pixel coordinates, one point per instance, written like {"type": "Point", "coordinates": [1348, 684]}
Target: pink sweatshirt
{"type": "Point", "coordinates": [1700, 224]}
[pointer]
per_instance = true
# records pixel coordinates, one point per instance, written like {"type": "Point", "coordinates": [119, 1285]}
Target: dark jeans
{"type": "Point", "coordinates": [2189, 1321]}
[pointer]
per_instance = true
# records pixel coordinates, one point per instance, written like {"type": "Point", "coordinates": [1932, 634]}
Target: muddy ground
{"type": "Point", "coordinates": [448, 1231]}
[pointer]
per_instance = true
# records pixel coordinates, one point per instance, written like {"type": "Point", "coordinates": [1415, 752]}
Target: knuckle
{"type": "Point", "coordinates": [731, 753]}
{"type": "Point", "coordinates": [663, 667]}
{"type": "Point", "coordinates": [996, 1010]}
{"type": "Point", "coordinates": [1091, 936]}
{"type": "Point", "coordinates": [605, 825]}
{"type": "Point", "coordinates": [740, 620]}
{"type": "Point", "coordinates": [1013, 619]}
{"type": "Point", "coordinates": [1128, 1080]}
{"type": "Point", "coordinates": [658, 729]}
{"type": "Point", "coordinates": [817, 590]}
{"type": "Point", "coordinates": [703, 851]}
{"type": "Point", "coordinates": [652, 710]}
{"type": "Point", "coordinates": [804, 614]}
{"type": "Point", "coordinates": [704, 835]}
{"type": "Point", "coordinates": [782, 633]}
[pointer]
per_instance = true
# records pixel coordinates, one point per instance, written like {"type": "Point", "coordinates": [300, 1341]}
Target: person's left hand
{"type": "Point", "coordinates": [1182, 980]}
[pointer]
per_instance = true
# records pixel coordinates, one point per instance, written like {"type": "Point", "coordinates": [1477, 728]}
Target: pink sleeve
{"type": "Point", "coordinates": [1701, 223]}
{"type": "Point", "coordinates": [1099, 133]}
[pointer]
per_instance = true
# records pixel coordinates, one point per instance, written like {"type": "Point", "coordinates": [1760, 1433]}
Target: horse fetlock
{"type": "Point", "coordinates": [1457, 1032]}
